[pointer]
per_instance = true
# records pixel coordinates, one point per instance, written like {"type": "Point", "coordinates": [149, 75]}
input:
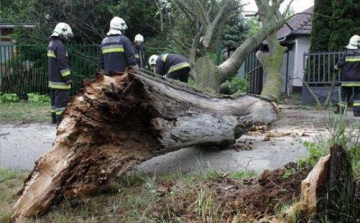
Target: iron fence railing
{"type": "Point", "coordinates": [253, 73]}
{"type": "Point", "coordinates": [23, 67]}
{"type": "Point", "coordinates": [319, 68]}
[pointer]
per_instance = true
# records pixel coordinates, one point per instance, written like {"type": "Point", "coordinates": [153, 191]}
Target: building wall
{"type": "Point", "coordinates": [302, 45]}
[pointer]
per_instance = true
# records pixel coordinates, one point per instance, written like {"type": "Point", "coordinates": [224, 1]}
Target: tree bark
{"type": "Point", "coordinates": [117, 122]}
{"type": "Point", "coordinates": [328, 193]}
{"type": "Point", "coordinates": [337, 203]}
{"type": "Point", "coordinates": [271, 63]}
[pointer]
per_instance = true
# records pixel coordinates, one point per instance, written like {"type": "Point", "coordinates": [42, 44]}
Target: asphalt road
{"type": "Point", "coordinates": [22, 145]}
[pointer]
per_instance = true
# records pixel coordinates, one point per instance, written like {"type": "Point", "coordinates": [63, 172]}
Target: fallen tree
{"type": "Point", "coordinates": [117, 122]}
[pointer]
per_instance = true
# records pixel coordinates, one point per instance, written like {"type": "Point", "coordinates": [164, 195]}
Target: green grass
{"type": "Point", "coordinates": [137, 198]}
{"type": "Point", "coordinates": [24, 112]}
{"type": "Point", "coordinates": [11, 182]}
{"type": "Point", "coordinates": [243, 174]}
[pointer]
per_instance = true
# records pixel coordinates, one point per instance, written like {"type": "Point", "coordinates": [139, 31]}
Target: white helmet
{"type": "Point", "coordinates": [139, 38]}
{"type": "Point", "coordinates": [62, 29]}
{"type": "Point", "coordinates": [152, 60]}
{"type": "Point", "coordinates": [118, 23]}
{"type": "Point", "coordinates": [353, 43]}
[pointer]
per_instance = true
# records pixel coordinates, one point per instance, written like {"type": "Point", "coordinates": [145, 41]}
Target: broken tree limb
{"type": "Point", "coordinates": [117, 122]}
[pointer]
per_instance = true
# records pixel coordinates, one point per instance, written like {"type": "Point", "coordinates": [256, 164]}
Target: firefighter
{"type": "Point", "coordinates": [139, 50]}
{"type": "Point", "coordinates": [171, 66]}
{"type": "Point", "coordinates": [349, 64]}
{"type": "Point", "coordinates": [59, 71]}
{"type": "Point", "coordinates": [116, 52]}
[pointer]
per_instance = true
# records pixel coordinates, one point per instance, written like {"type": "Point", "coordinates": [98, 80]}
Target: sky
{"type": "Point", "coordinates": [297, 5]}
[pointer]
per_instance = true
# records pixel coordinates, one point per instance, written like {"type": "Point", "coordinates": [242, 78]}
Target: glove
{"type": "Point", "coordinates": [68, 82]}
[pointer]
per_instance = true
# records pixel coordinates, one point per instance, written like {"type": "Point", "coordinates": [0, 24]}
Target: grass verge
{"type": "Point", "coordinates": [24, 112]}
{"type": "Point", "coordinates": [11, 181]}
{"type": "Point", "coordinates": [140, 198]}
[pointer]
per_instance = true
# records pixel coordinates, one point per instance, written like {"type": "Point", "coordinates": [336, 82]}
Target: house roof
{"type": "Point", "coordinates": [12, 26]}
{"type": "Point", "coordinates": [299, 25]}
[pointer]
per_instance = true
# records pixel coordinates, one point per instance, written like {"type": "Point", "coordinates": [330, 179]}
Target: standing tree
{"type": "Point", "coordinates": [88, 19]}
{"type": "Point", "coordinates": [236, 30]}
{"type": "Point", "coordinates": [205, 17]}
{"type": "Point", "coordinates": [345, 24]}
{"type": "Point", "coordinates": [321, 30]}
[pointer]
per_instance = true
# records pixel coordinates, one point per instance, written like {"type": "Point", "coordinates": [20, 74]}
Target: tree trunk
{"type": "Point", "coordinates": [271, 63]}
{"type": "Point", "coordinates": [337, 203]}
{"type": "Point", "coordinates": [328, 193]}
{"type": "Point", "coordinates": [210, 79]}
{"type": "Point", "coordinates": [117, 122]}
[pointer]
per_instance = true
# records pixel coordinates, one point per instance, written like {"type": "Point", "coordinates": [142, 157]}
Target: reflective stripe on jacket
{"type": "Point", "coordinates": [350, 65]}
{"type": "Point", "coordinates": [169, 63]}
{"type": "Point", "coordinates": [116, 54]}
{"type": "Point", "coordinates": [58, 65]}
{"type": "Point", "coordinates": [139, 56]}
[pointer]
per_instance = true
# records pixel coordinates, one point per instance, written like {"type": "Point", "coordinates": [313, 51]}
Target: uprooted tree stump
{"type": "Point", "coordinates": [328, 193]}
{"type": "Point", "coordinates": [117, 122]}
{"type": "Point", "coordinates": [338, 203]}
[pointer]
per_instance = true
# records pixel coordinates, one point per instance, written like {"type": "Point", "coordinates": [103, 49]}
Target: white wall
{"type": "Point", "coordinates": [302, 45]}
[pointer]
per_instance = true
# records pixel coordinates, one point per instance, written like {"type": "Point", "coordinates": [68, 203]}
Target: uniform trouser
{"type": "Point", "coordinates": [181, 75]}
{"type": "Point", "coordinates": [348, 93]}
{"type": "Point", "coordinates": [59, 101]}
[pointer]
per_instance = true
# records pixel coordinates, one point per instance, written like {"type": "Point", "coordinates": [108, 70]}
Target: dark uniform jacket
{"type": "Point", "coordinates": [350, 65]}
{"type": "Point", "coordinates": [139, 56]}
{"type": "Point", "coordinates": [58, 65]}
{"type": "Point", "coordinates": [116, 54]}
{"type": "Point", "coordinates": [168, 63]}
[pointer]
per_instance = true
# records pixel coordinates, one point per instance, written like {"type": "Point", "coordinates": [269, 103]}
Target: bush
{"type": "Point", "coordinates": [237, 84]}
{"type": "Point", "coordinates": [9, 98]}
{"type": "Point", "coordinates": [37, 98]}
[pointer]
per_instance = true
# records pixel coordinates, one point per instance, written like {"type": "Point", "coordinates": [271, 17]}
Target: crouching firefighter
{"type": "Point", "coordinates": [349, 64]}
{"type": "Point", "coordinates": [117, 51]}
{"type": "Point", "coordinates": [59, 71]}
{"type": "Point", "coordinates": [171, 66]}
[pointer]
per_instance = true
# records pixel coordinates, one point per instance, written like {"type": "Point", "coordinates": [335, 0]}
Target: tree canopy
{"type": "Point", "coordinates": [334, 22]}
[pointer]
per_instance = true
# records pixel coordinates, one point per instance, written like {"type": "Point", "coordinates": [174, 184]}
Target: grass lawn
{"type": "Point", "coordinates": [24, 112]}
{"type": "Point", "coordinates": [11, 182]}
{"type": "Point", "coordinates": [137, 198]}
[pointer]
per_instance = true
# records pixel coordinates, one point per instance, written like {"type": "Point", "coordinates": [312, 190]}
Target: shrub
{"type": "Point", "coordinates": [237, 84]}
{"type": "Point", "coordinates": [9, 98]}
{"type": "Point", "coordinates": [37, 98]}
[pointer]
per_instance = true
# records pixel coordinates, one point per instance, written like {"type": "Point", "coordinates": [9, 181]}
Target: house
{"type": "Point", "coordinates": [8, 48]}
{"type": "Point", "coordinates": [6, 40]}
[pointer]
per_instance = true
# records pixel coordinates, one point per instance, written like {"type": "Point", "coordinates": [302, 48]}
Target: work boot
{"type": "Point", "coordinates": [53, 118]}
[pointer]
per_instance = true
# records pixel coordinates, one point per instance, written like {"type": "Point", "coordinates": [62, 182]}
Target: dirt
{"type": "Point", "coordinates": [254, 199]}
{"type": "Point", "coordinates": [273, 192]}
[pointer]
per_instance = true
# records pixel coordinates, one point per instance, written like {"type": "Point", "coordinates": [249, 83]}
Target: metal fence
{"type": "Point", "coordinates": [319, 68]}
{"type": "Point", "coordinates": [254, 74]}
{"type": "Point", "coordinates": [23, 67]}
